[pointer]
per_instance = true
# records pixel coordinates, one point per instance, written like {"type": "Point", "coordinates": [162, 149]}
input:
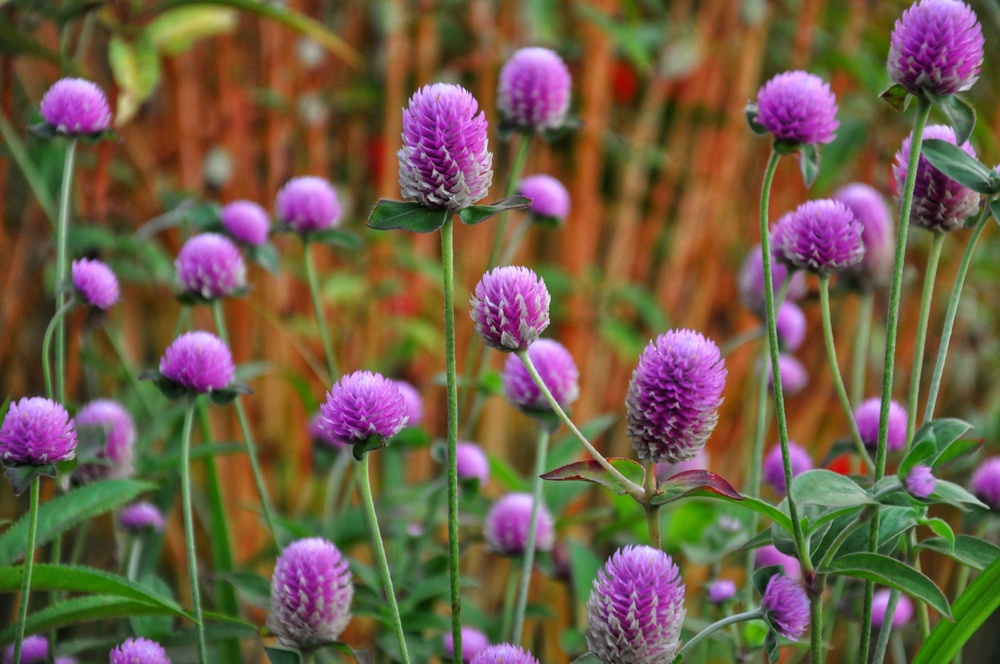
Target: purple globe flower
{"type": "Point", "coordinates": [510, 308]}
{"type": "Point", "coordinates": [34, 650]}
{"type": "Point", "coordinates": [794, 376]}
{"type": "Point", "coordinates": [445, 162]}
{"type": "Point", "coordinates": [320, 436]}
{"type": "Point", "coordinates": [878, 234]}
{"type": "Point", "coordinates": [698, 462]}
{"type": "Point", "coordinates": [139, 651]}
{"type": "Point", "coordinates": [751, 281]}
{"type": "Point", "coordinates": [769, 556]}
{"type": "Point", "coordinates": [199, 361]}
{"type": "Point", "coordinates": [119, 429]}
{"type": "Point", "coordinates": [798, 107]}
{"type": "Point", "coordinates": [549, 198]}
{"type": "Point", "coordinates": [791, 323]}
{"type": "Point", "coordinates": [867, 416]}
{"type": "Point", "coordinates": [141, 516]}
{"type": "Point", "coordinates": [533, 92]}
{"type": "Point", "coordinates": [311, 594]}
{"type": "Point", "coordinates": [95, 283]}
{"type": "Point", "coordinates": [674, 396]}
{"type": "Point", "coordinates": [721, 591]}
{"type": "Point", "coordinates": [822, 237]}
{"type": "Point", "coordinates": [472, 463]}
{"type": "Point", "coordinates": [473, 643]}
{"type": "Point", "coordinates": [936, 48]}
{"type": "Point", "coordinates": [636, 607]}
{"type": "Point", "coordinates": [211, 266]}
{"type": "Point", "coordinates": [939, 203]}
{"type": "Point", "coordinates": [880, 602]}
{"type": "Point", "coordinates": [414, 403]}
{"type": "Point", "coordinates": [361, 405]}
{"type": "Point", "coordinates": [786, 606]}
{"type": "Point", "coordinates": [505, 653]}
{"type": "Point", "coordinates": [307, 204]}
{"type": "Point", "coordinates": [507, 525]}
{"type": "Point", "coordinates": [985, 483]}
{"type": "Point", "coordinates": [36, 432]}
{"type": "Point", "coordinates": [774, 473]}
{"type": "Point", "coordinates": [75, 107]}
{"type": "Point", "coordinates": [557, 370]}
{"type": "Point", "coordinates": [247, 222]}
{"type": "Point", "coordinates": [919, 482]}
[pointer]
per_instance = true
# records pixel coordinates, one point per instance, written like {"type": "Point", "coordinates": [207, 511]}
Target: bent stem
{"type": "Point", "coordinates": [324, 332]}
{"type": "Point", "coordinates": [29, 563]}
{"type": "Point", "coordinates": [62, 229]}
{"type": "Point", "coordinates": [918, 353]}
{"type": "Point", "coordinates": [189, 529]}
{"type": "Point", "coordinates": [541, 452]}
{"type": "Point", "coordinates": [756, 614]}
{"type": "Point", "coordinates": [47, 344]}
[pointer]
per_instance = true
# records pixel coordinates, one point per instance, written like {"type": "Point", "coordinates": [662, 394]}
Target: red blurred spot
{"type": "Point", "coordinates": [624, 82]}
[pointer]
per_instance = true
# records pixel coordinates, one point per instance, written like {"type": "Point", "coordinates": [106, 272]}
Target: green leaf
{"type": "Point", "coordinates": [583, 565]}
{"type": "Point", "coordinates": [995, 209]}
{"type": "Point", "coordinates": [336, 237]}
{"type": "Point", "coordinates": [591, 471]}
{"type": "Point", "coordinates": [476, 214]}
{"type": "Point", "coordinates": [228, 394]}
{"type": "Point", "coordinates": [954, 162]}
{"type": "Point", "coordinates": [897, 97]}
{"type": "Point", "coordinates": [941, 528]}
{"type": "Point", "coordinates": [762, 576]}
{"type": "Point", "coordinates": [942, 431]}
{"type": "Point", "coordinates": [972, 551]}
{"type": "Point", "coordinates": [265, 255]}
{"type": "Point", "coordinates": [369, 444]}
{"type": "Point", "coordinates": [893, 574]}
{"type": "Point", "coordinates": [809, 163]}
{"type": "Point", "coordinates": [953, 494]}
{"type": "Point", "coordinates": [961, 116]}
{"type": "Point", "coordinates": [920, 453]}
{"type": "Point", "coordinates": [282, 656]}
{"type": "Point", "coordinates": [588, 658]}
{"type": "Point", "coordinates": [391, 215]}
{"type": "Point", "coordinates": [81, 609]}
{"type": "Point", "coordinates": [21, 476]}
{"type": "Point", "coordinates": [136, 69]}
{"type": "Point", "coordinates": [176, 30]}
{"type": "Point", "coordinates": [683, 484]}
{"type": "Point", "coordinates": [752, 504]}
{"type": "Point", "coordinates": [828, 489]}
{"type": "Point", "coordinates": [751, 110]}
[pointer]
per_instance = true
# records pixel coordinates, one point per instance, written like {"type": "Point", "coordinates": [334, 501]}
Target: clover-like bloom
{"type": "Point", "coordinates": [798, 107]}
{"type": "Point", "coordinates": [674, 396]}
{"type": "Point", "coordinates": [117, 426]}
{"type": "Point", "coordinates": [794, 376]}
{"type": "Point", "coordinates": [791, 324]}
{"type": "Point", "coordinates": [822, 237]}
{"type": "Point", "coordinates": [320, 436]}
{"type": "Point", "coordinates": [751, 281]}
{"type": "Point", "coordinates": [472, 463]}
{"type": "Point", "coordinates": [936, 48]}
{"type": "Point", "coordinates": [473, 643]}
{"type": "Point", "coordinates": [75, 107]}
{"type": "Point", "coordinates": [361, 405]}
{"type": "Point", "coordinates": [557, 370]}
{"type": "Point", "coordinates": [636, 608]}
{"type": "Point", "coordinates": [508, 523]}
{"type": "Point", "coordinates": [34, 650]}
{"type": "Point", "coordinates": [199, 361]}
{"type": "Point", "coordinates": [414, 403]}
{"type": "Point", "coordinates": [139, 651]}
{"type": "Point", "coordinates": [939, 203]}
{"type": "Point", "coordinates": [866, 416]}
{"type": "Point", "coordinates": [36, 432]}
{"type": "Point", "coordinates": [533, 92]}
{"type": "Point", "coordinates": [510, 307]}
{"type": "Point", "coordinates": [985, 483]}
{"type": "Point", "coordinates": [880, 602]}
{"type": "Point", "coordinates": [141, 516]}
{"type": "Point", "coordinates": [311, 594]}
{"type": "Point", "coordinates": [549, 197]}
{"type": "Point", "coordinates": [445, 162]}
{"type": "Point", "coordinates": [247, 222]}
{"type": "Point", "coordinates": [768, 556]}
{"type": "Point", "coordinates": [210, 265]}
{"type": "Point", "coordinates": [786, 606]}
{"type": "Point", "coordinates": [308, 203]}
{"type": "Point", "coordinates": [95, 283]}
{"type": "Point", "coordinates": [774, 469]}
{"type": "Point", "coordinates": [698, 462]}
{"type": "Point", "coordinates": [920, 482]}
{"type": "Point", "coordinates": [721, 590]}
{"type": "Point", "coordinates": [878, 234]}
{"type": "Point", "coordinates": [504, 653]}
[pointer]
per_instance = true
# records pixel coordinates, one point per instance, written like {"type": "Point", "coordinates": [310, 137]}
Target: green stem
{"type": "Point", "coordinates": [652, 511]}
{"type": "Point", "coordinates": [189, 530]}
{"type": "Point", "coordinates": [734, 342]}
{"type": "Point", "coordinates": [816, 627]}
{"type": "Point", "coordinates": [886, 630]}
{"type": "Point", "coordinates": [324, 332]}
{"type": "Point", "coordinates": [918, 353]}
{"type": "Point", "coordinates": [509, 598]}
{"type": "Point", "coordinates": [29, 563]}
{"type": "Point", "coordinates": [756, 614]}
{"type": "Point", "coordinates": [47, 344]}
{"type": "Point", "coordinates": [62, 229]}
{"type": "Point", "coordinates": [334, 481]}
{"type": "Point", "coordinates": [541, 452]}
{"type": "Point", "coordinates": [520, 157]}
{"type": "Point", "coordinates": [516, 238]}
{"type": "Point", "coordinates": [862, 338]}
{"type": "Point", "coordinates": [16, 149]}
{"type": "Point", "coordinates": [949, 319]}
{"type": "Point", "coordinates": [383, 564]}
{"type": "Point", "coordinates": [134, 557]}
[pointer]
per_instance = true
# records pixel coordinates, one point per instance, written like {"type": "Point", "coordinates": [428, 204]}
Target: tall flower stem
{"type": "Point", "coordinates": [652, 511]}
{"type": "Point", "coordinates": [891, 328]}
{"type": "Point", "coordinates": [816, 627]}
{"type": "Point", "coordinates": [520, 157]}
{"type": "Point", "coordinates": [47, 345]}
{"type": "Point", "coordinates": [29, 563]}
{"type": "Point", "coordinates": [918, 352]}
{"type": "Point", "coordinates": [756, 614]}
{"type": "Point", "coordinates": [62, 229]}
{"type": "Point", "coordinates": [189, 529]}
{"type": "Point", "coordinates": [862, 339]}
{"type": "Point", "coordinates": [383, 564]}
{"type": "Point", "coordinates": [324, 332]}
{"type": "Point", "coordinates": [537, 484]}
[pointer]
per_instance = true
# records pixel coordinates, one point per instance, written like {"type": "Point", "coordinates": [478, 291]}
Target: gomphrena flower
{"type": "Point", "coordinates": [768, 556]}
{"type": "Point", "coordinates": [936, 48]}
{"type": "Point", "coordinates": [510, 307]}
{"type": "Point", "coordinates": [139, 651]}
{"type": "Point", "coordinates": [533, 91]}
{"type": "Point", "coordinates": [791, 323]}
{"type": "Point", "coordinates": [308, 203]}
{"type": "Point", "coordinates": [794, 376]}
{"type": "Point", "coordinates": [95, 283]}
{"type": "Point", "coordinates": [472, 463]}
{"type": "Point", "coordinates": [199, 361]}
{"type": "Point", "coordinates": [939, 203]}
{"type": "Point", "coordinates": [34, 650]}
{"type": "Point", "coordinates": [473, 643]}
{"type": "Point", "coordinates": [878, 233]}
{"type": "Point", "coordinates": [721, 590]}
{"type": "Point", "coordinates": [414, 403]}
{"type": "Point", "coordinates": [866, 416]}
{"type": "Point", "coordinates": [674, 396]}
{"type": "Point", "coordinates": [822, 237]}
{"type": "Point", "coordinates": [115, 423]}
{"type": "Point", "coordinates": [751, 281]}
{"type": "Point", "coordinates": [210, 265]}
{"type": "Point", "coordinates": [798, 107]}
{"type": "Point", "coordinates": [36, 432]}
{"type": "Point", "coordinates": [362, 405]}
{"type": "Point", "coordinates": [880, 602]}
{"type": "Point", "coordinates": [320, 436]}
{"type": "Point", "coordinates": [774, 473]}
{"type": "Point", "coordinates": [698, 462]}
{"type": "Point", "coordinates": [985, 483]}
{"type": "Point", "coordinates": [557, 370]}
{"type": "Point", "coordinates": [311, 594]}
{"type": "Point", "coordinates": [549, 197]}
{"type": "Point", "coordinates": [919, 482]}
{"type": "Point", "coordinates": [636, 608]}
{"type": "Point", "coordinates": [445, 162]}
{"type": "Point", "coordinates": [504, 653]}
{"type": "Point", "coordinates": [247, 222]}
{"type": "Point", "coordinates": [76, 107]}
{"type": "Point", "coordinates": [141, 516]}
{"type": "Point", "coordinates": [786, 606]}
{"type": "Point", "coordinates": [507, 525]}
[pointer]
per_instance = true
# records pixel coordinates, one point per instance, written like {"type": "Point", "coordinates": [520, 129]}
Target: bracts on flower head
{"type": "Point", "coordinates": [786, 606]}
{"type": "Point", "coordinates": [209, 266]}
{"type": "Point", "coordinates": [798, 108]}
{"type": "Point", "coordinates": [76, 107]}
{"type": "Point", "coordinates": [36, 432]}
{"type": "Point", "coordinates": [95, 284]}
{"type": "Point", "coordinates": [504, 653]}
{"type": "Point", "coordinates": [139, 651]}
{"type": "Point", "coordinates": [510, 308]}
{"type": "Point", "coordinates": [365, 409]}
{"type": "Point", "coordinates": [821, 237]}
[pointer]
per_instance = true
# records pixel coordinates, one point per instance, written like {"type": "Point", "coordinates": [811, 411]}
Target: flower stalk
{"type": "Point", "coordinates": [746, 616]}
{"type": "Point", "coordinates": [317, 302]}
{"type": "Point", "coordinates": [29, 563]}
{"type": "Point", "coordinates": [537, 486]}
{"type": "Point", "coordinates": [62, 230]}
{"type": "Point", "coordinates": [933, 258]}
{"type": "Point", "coordinates": [188, 510]}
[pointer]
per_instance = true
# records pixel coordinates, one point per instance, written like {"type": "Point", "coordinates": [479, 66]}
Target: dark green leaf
{"type": "Point", "coordinates": [751, 111]}
{"type": "Point", "coordinates": [229, 393]}
{"type": "Point", "coordinates": [81, 609]}
{"type": "Point", "coordinates": [961, 116]}
{"type": "Point", "coordinates": [954, 162]}
{"type": "Point", "coordinates": [682, 484]}
{"type": "Point", "coordinates": [955, 450]}
{"type": "Point", "coordinates": [953, 494]}
{"type": "Point", "coordinates": [942, 432]}
{"type": "Point", "coordinates": [771, 646]}
{"type": "Point", "coordinates": [282, 656]}
{"type": "Point", "coordinates": [265, 255]}
{"type": "Point", "coordinates": [754, 505]}
{"type": "Point", "coordinates": [22, 476]}
{"type": "Point", "coordinates": [972, 551]}
{"type": "Point", "coordinates": [826, 488]}
{"type": "Point", "coordinates": [589, 658]}
{"type": "Point", "coordinates": [391, 215]}
{"type": "Point", "coordinates": [897, 97]}
{"type": "Point", "coordinates": [941, 528]}
{"type": "Point", "coordinates": [995, 209]}
{"type": "Point", "coordinates": [591, 471]}
{"type": "Point", "coordinates": [336, 237]}
{"type": "Point", "coordinates": [920, 453]}
{"type": "Point", "coordinates": [367, 445]}
{"type": "Point", "coordinates": [893, 574]}
{"type": "Point", "coordinates": [167, 387]}
{"type": "Point", "coordinates": [763, 575]}
{"type": "Point", "coordinates": [476, 214]}
{"type": "Point", "coordinates": [809, 163]}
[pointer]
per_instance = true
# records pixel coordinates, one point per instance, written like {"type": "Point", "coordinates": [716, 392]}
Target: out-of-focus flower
{"type": "Point", "coordinates": [878, 233]}
{"type": "Point", "coordinates": [867, 415]}
{"type": "Point", "coordinates": [549, 197]}
{"type": "Point", "coordinates": [247, 222]}
{"type": "Point", "coordinates": [508, 523]}
{"type": "Point", "coordinates": [140, 516]}
{"type": "Point", "coordinates": [199, 361]}
{"type": "Point", "coordinates": [698, 462]}
{"type": "Point", "coordinates": [774, 473]}
{"type": "Point", "coordinates": [414, 403]}
{"type": "Point", "coordinates": [985, 483]}
{"type": "Point", "coordinates": [119, 429]}
{"type": "Point", "coordinates": [210, 265]}
{"type": "Point", "coordinates": [721, 590]}
{"type": "Point", "coordinates": [768, 556]}
{"type": "Point", "coordinates": [533, 92]}
{"type": "Point", "coordinates": [34, 650]}
{"type": "Point", "coordinates": [791, 323]}
{"type": "Point", "coordinates": [880, 602]}
{"type": "Point", "coordinates": [139, 651]}
{"type": "Point", "coordinates": [76, 107]}
{"type": "Point", "coordinates": [751, 281]}
{"type": "Point", "coordinates": [473, 643]}
{"type": "Point", "coordinates": [794, 376]}
{"type": "Point", "coordinates": [557, 370]}
{"type": "Point", "coordinates": [504, 653]}
{"type": "Point", "coordinates": [472, 463]}
{"type": "Point", "coordinates": [308, 203]}
{"type": "Point", "coordinates": [95, 283]}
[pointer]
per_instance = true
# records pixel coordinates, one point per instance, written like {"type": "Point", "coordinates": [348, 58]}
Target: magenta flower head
{"type": "Point", "coordinates": [139, 651]}
{"type": "Point", "coordinates": [34, 650]}
{"type": "Point", "coordinates": [939, 203]}
{"type": "Point", "coordinates": [791, 324]}
{"type": "Point", "coordinates": [510, 308]}
{"type": "Point", "coordinates": [674, 396]}
{"type": "Point", "coordinates": [76, 107]}
{"type": "Point", "coordinates": [821, 237]}
{"type": "Point", "coordinates": [36, 432]}
{"type": "Point", "coordinates": [445, 162]}
{"type": "Point", "coordinates": [507, 525]}
{"type": "Point", "coordinates": [549, 198]}
{"type": "Point", "coordinates": [504, 653]}
{"type": "Point", "coordinates": [936, 48]}
{"type": "Point", "coordinates": [118, 432]}
{"type": "Point", "coordinates": [533, 92]}
{"type": "Point", "coordinates": [210, 266]}
{"type": "Point", "coordinates": [919, 482]}
{"type": "Point", "coordinates": [698, 462]}
{"type": "Point", "coordinates": [721, 591]}
{"type": "Point", "coordinates": [307, 204]}
{"type": "Point", "coordinates": [557, 369]}
{"type": "Point", "coordinates": [794, 376]}
{"type": "Point", "coordinates": [878, 233]}
{"type": "Point", "coordinates": [774, 473]}
{"type": "Point", "coordinates": [95, 283]}
{"type": "Point", "coordinates": [751, 281]}
{"type": "Point", "coordinates": [867, 416]}
{"type": "Point", "coordinates": [798, 107]}
{"type": "Point", "coordinates": [246, 222]}
{"type": "Point", "coordinates": [636, 607]}
{"type": "Point", "coordinates": [141, 516]}
{"type": "Point", "coordinates": [880, 602]}
{"type": "Point", "coordinates": [363, 405]}
{"type": "Point", "coordinates": [414, 403]}
{"type": "Point", "coordinates": [985, 483]}
{"type": "Point", "coordinates": [311, 594]}
{"type": "Point", "coordinates": [473, 643]}
{"type": "Point", "coordinates": [198, 361]}
{"type": "Point", "coordinates": [472, 463]}
{"type": "Point", "coordinates": [320, 436]}
{"type": "Point", "coordinates": [786, 606]}
{"type": "Point", "coordinates": [769, 556]}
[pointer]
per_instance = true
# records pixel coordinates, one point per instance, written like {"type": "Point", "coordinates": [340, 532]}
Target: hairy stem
{"type": "Point", "coordinates": [816, 627]}
{"type": "Point", "coordinates": [324, 332]}
{"type": "Point", "coordinates": [47, 345]}
{"type": "Point", "coordinates": [192, 559]}
{"type": "Point", "coordinates": [918, 352]}
{"type": "Point", "coordinates": [29, 563]}
{"type": "Point", "coordinates": [538, 484]}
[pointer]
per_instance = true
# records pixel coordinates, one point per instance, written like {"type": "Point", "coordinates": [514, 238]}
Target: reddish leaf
{"type": "Point", "coordinates": [681, 484]}
{"type": "Point", "coordinates": [591, 471]}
